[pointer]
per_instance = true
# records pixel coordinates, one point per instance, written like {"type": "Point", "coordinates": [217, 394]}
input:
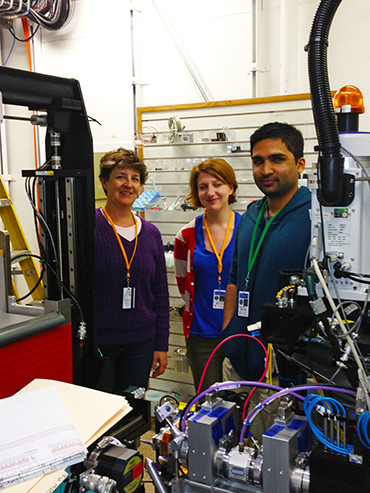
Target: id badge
{"type": "Point", "coordinates": [128, 298]}
{"type": "Point", "coordinates": [219, 298]}
{"type": "Point", "coordinates": [243, 304]}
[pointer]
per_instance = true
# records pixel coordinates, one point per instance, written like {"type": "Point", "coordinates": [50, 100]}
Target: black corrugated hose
{"type": "Point", "coordinates": [331, 160]}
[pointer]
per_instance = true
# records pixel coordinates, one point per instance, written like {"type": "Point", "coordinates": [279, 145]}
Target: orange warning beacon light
{"type": "Point", "coordinates": [348, 104]}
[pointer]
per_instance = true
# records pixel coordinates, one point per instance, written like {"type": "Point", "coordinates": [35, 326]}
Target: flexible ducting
{"type": "Point", "coordinates": [330, 161]}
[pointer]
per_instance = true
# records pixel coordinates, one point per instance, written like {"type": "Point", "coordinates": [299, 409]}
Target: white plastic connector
{"type": "Point", "coordinates": [322, 410]}
{"type": "Point", "coordinates": [253, 327]}
{"type": "Point", "coordinates": [315, 250]}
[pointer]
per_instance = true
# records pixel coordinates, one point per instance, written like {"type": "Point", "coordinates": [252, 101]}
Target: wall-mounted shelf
{"type": "Point", "coordinates": [170, 163]}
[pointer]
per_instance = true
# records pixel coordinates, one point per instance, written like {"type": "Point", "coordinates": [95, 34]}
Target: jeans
{"type": "Point", "coordinates": [198, 350]}
{"type": "Point", "coordinates": [126, 365]}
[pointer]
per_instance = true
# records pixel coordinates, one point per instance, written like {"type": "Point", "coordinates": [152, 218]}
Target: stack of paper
{"type": "Point", "coordinates": [92, 413]}
{"type": "Point", "coordinates": [37, 436]}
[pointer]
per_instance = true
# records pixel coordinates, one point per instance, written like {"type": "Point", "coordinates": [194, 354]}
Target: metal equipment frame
{"type": "Point", "coordinates": [66, 197]}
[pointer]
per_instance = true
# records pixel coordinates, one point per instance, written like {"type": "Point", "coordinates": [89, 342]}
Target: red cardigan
{"type": "Point", "coordinates": [184, 270]}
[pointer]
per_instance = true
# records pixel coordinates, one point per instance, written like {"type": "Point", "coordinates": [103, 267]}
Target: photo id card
{"type": "Point", "coordinates": [219, 298]}
{"type": "Point", "coordinates": [243, 304]}
{"type": "Point", "coordinates": [128, 298]}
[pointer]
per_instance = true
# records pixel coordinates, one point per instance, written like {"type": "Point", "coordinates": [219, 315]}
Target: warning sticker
{"type": "Point", "coordinates": [135, 467]}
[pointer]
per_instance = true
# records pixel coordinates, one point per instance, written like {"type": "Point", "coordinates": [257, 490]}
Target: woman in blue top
{"type": "Point", "coordinates": [203, 252]}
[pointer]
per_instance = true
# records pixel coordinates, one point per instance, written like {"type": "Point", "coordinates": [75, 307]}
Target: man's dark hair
{"type": "Point", "coordinates": [290, 135]}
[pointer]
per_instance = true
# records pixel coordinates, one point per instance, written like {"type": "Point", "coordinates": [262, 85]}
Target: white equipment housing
{"type": "Point", "coordinates": [347, 229]}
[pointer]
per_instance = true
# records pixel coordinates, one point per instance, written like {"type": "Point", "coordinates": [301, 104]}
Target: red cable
{"type": "Point", "coordinates": [260, 380]}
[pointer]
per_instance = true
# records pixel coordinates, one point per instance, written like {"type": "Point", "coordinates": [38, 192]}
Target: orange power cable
{"type": "Point", "coordinates": [26, 33]}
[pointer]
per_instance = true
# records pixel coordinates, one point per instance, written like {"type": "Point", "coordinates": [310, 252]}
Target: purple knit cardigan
{"type": "Point", "coordinates": [150, 317]}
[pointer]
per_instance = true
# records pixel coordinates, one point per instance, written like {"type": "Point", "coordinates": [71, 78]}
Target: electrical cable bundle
{"type": "Point", "coordinates": [353, 276]}
{"type": "Point", "coordinates": [332, 409]}
{"type": "Point", "coordinates": [50, 14]}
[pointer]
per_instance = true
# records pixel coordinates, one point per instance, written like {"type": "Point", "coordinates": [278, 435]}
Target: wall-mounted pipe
{"type": "Point", "coordinates": [288, 46]}
{"type": "Point", "coordinates": [135, 25]}
{"type": "Point", "coordinates": [254, 46]}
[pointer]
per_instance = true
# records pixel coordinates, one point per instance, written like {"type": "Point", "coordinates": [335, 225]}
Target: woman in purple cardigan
{"type": "Point", "coordinates": [132, 291]}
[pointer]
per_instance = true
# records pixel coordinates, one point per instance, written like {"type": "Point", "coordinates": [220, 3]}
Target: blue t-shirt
{"type": "Point", "coordinates": [207, 321]}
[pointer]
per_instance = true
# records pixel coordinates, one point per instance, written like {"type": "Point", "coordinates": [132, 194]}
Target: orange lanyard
{"type": "Point", "coordinates": [128, 263]}
{"type": "Point", "coordinates": [219, 256]}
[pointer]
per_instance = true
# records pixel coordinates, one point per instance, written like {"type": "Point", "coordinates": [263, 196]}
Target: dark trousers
{"type": "Point", "coordinates": [198, 350]}
{"type": "Point", "coordinates": [126, 365]}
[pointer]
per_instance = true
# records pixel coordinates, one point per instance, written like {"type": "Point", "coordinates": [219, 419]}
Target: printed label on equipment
{"type": "Point", "coordinates": [134, 469]}
{"type": "Point", "coordinates": [339, 234]}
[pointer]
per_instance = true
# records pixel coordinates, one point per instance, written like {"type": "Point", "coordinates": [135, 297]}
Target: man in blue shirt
{"type": "Point", "coordinates": [273, 234]}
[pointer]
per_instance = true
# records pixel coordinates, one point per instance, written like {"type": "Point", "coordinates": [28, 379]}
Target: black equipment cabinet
{"type": "Point", "coordinates": [66, 198]}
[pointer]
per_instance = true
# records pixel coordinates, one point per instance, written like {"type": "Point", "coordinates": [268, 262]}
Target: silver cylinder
{"type": "Point", "coordinates": [97, 484]}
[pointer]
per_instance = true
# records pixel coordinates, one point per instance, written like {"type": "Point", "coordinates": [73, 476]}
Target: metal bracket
{"type": "Point", "coordinates": [259, 67]}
